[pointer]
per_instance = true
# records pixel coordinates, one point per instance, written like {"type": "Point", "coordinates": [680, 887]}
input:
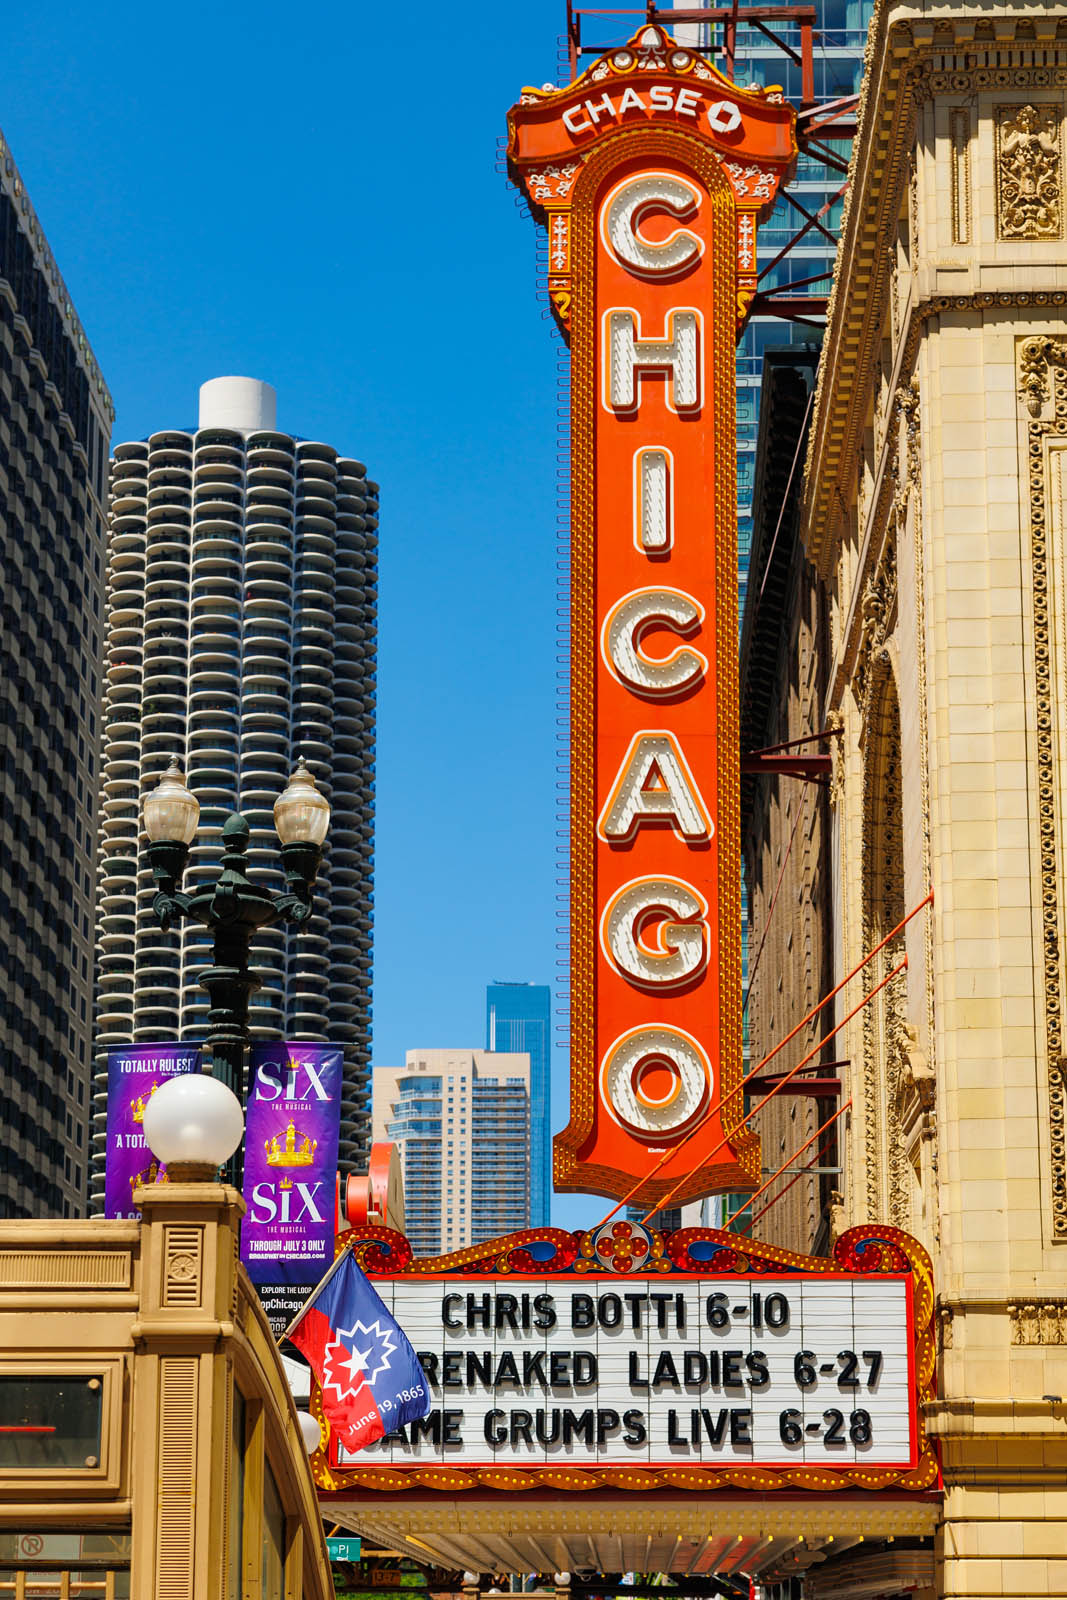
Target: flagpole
{"type": "Point", "coordinates": [302, 1313]}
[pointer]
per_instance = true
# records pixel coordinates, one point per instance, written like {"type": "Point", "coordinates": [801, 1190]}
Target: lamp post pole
{"type": "Point", "coordinates": [233, 907]}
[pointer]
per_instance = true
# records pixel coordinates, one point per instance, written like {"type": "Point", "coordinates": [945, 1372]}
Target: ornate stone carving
{"type": "Point", "coordinates": [960, 131]}
{"type": "Point", "coordinates": [874, 685]}
{"type": "Point", "coordinates": [835, 722]}
{"type": "Point", "coordinates": [1037, 359]}
{"type": "Point", "coordinates": [877, 611]}
{"type": "Point", "coordinates": [1029, 202]}
{"type": "Point", "coordinates": [1038, 1321]}
{"type": "Point", "coordinates": [915, 1096]}
{"type": "Point", "coordinates": [1041, 368]}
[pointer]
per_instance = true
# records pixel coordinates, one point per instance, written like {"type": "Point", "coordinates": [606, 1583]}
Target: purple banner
{"type": "Point", "coordinates": [133, 1076]}
{"type": "Point", "coordinates": [291, 1127]}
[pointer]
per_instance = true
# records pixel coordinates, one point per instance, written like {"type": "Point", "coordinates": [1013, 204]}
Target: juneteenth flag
{"type": "Point", "coordinates": [369, 1376]}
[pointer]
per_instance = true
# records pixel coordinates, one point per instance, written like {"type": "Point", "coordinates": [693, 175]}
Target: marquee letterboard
{"type": "Point", "coordinates": [609, 1370]}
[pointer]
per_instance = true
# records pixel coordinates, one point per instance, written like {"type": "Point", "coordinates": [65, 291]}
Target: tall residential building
{"type": "Point", "coordinates": [55, 422]}
{"type": "Point", "coordinates": [241, 605]}
{"type": "Point", "coordinates": [517, 1017]}
{"type": "Point", "coordinates": [462, 1121]}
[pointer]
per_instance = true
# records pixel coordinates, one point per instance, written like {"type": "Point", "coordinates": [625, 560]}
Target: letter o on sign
{"type": "Point", "coordinates": [656, 1082]}
{"type": "Point", "coordinates": [724, 117]}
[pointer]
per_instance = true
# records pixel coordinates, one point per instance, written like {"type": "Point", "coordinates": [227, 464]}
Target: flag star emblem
{"type": "Point", "coordinates": [357, 1356]}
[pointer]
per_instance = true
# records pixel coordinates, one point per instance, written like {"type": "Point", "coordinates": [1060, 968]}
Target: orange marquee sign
{"type": "Point", "coordinates": [650, 174]}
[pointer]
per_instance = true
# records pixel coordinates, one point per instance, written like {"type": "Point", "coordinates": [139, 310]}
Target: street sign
{"type": "Point", "coordinates": [344, 1549]}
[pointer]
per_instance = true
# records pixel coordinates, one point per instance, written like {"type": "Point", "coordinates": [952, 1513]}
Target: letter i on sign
{"type": "Point", "coordinates": [631, 170]}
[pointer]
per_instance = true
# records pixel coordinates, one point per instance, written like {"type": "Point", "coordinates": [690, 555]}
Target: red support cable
{"type": "Point", "coordinates": [791, 744]}
{"type": "Point", "coordinates": [724, 1141]}
{"type": "Point", "coordinates": [788, 1160]}
{"type": "Point", "coordinates": [825, 1001]}
{"type": "Point", "coordinates": [816, 1158]}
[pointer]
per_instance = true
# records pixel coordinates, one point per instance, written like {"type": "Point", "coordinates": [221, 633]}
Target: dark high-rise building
{"type": "Point", "coordinates": [55, 422]}
{"type": "Point", "coordinates": [241, 635]}
{"type": "Point", "coordinates": [517, 1018]}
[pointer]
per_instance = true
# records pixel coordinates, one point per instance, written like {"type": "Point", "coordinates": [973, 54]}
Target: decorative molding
{"type": "Point", "coordinates": [1038, 1321]}
{"type": "Point", "coordinates": [908, 476]}
{"type": "Point", "coordinates": [877, 616]}
{"type": "Point", "coordinates": [183, 1266]}
{"type": "Point", "coordinates": [1038, 357]}
{"type": "Point", "coordinates": [1029, 158]}
{"type": "Point", "coordinates": [176, 1477]}
{"type": "Point", "coordinates": [1042, 363]}
{"type": "Point", "coordinates": [86, 1270]}
{"type": "Point", "coordinates": [835, 723]}
{"type": "Point", "coordinates": [959, 123]}
{"type": "Point", "coordinates": [928, 79]}
{"type": "Point", "coordinates": [884, 1019]}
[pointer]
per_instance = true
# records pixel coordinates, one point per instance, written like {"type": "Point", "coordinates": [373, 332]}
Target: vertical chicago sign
{"type": "Point", "coordinates": [650, 174]}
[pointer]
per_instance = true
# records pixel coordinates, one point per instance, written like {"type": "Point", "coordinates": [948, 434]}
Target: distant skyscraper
{"type": "Point", "coordinates": [462, 1121]}
{"type": "Point", "coordinates": [242, 581]}
{"type": "Point", "coordinates": [517, 1017]}
{"type": "Point", "coordinates": [55, 421]}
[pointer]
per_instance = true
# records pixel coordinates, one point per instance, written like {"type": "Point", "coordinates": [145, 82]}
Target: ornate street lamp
{"type": "Point", "coordinates": [233, 907]}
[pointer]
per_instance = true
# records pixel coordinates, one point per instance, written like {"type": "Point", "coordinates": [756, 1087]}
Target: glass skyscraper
{"type": "Point", "coordinates": [517, 1018]}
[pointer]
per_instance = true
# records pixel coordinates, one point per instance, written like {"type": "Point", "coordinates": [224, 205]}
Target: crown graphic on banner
{"type": "Point", "coordinates": [149, 1174]}
{"type": "Point", "coordinates": [291, 1154]}
{"type": "Point", "coordinates": [137, 1106]}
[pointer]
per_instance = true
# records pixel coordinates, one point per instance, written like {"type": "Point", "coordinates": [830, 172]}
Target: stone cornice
{"type": "Point", "coordinates": [906, 52]}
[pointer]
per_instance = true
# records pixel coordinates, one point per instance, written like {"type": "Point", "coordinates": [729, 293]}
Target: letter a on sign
{"type": "Point", "coordinates": [651, 174]}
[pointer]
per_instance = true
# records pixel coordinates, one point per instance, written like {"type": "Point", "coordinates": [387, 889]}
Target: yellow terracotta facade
{"type": "Point", "coordinates": [201, 1489]}
{"type": "Point", "coordinates": [934, 512]}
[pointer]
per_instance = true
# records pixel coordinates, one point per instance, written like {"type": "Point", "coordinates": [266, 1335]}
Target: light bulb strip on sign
{"type": "Point", "coordinates": [651, 173]}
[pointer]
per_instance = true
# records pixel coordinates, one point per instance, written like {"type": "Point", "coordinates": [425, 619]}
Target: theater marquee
{"type": "Point", "coordinates": [650, 174]}
{"type": "Point", "coordinates": [719, 1362]}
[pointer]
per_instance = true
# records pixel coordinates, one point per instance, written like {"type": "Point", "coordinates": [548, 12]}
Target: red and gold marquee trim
{"type": "Point", "coordinates": [866, 1251]}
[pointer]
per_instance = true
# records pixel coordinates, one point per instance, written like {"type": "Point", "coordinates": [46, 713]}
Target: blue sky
{"type": "Point", "coordinates": [305, 195]}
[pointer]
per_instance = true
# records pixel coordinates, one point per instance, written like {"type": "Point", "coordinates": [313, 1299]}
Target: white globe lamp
{"type": "Point", "coordinates": [309, 1427]}
{"type": "Point", "coordinates": [193, 1123]}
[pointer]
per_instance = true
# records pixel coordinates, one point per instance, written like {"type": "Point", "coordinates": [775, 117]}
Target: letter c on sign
{"type": "Point", "coordinates": [620, 642]}
{"type": "Point", "coordinates": [624, 211]}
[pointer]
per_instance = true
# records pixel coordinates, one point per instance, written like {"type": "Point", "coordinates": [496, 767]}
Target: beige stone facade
{"type": "Point", "coordinates": [935, 511]}
{"type": "Point", "coordinates": [192, 1483]}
